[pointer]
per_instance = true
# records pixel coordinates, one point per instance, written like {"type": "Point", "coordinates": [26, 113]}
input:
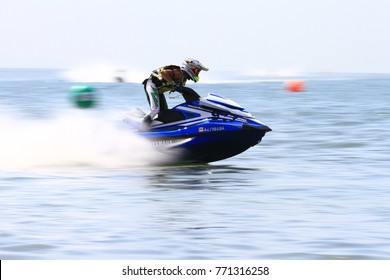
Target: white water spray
{"type": "Point", "coordinates": [72, 140]}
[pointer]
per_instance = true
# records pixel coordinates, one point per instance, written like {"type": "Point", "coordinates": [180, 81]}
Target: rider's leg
{"type": "Point", "coordinates": [153, 99]}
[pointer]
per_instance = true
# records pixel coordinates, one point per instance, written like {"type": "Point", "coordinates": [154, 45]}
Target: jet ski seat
{"type": "Point", "coordinates": [168, 116]}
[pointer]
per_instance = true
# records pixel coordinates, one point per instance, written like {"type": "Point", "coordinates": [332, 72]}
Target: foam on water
{"type": "Point", "coordinates": [72, 140]}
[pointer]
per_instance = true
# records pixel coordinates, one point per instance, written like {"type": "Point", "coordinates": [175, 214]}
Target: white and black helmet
{"type": "Point", "coordinates": [192, 67]}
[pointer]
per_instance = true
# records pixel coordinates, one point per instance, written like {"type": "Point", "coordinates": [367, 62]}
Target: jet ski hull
{"type": "Point", "coordinates": [214, 148]}
{"type": "Point", "coordinates": [208, 143]}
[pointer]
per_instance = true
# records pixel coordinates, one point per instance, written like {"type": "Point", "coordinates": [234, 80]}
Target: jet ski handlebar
{"type": "Point", "coordinates": [189, 94]}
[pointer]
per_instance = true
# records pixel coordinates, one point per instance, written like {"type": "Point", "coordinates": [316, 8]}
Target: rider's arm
{"type": "Point", "coordinates": [189, 94]}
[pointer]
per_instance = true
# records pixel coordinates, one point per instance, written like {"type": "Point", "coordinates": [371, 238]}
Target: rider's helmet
{"type": "Point", "coordinates": [192, 67]}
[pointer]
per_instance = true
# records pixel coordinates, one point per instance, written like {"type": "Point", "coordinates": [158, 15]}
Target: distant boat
{"type": "Point", "coordinates": [119, 76]}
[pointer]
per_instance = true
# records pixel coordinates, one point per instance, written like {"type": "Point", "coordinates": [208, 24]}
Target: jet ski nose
{"type": "Point", "coordinates": [250, 127]}
{"type": "Point", "coordinates": [267, 128]}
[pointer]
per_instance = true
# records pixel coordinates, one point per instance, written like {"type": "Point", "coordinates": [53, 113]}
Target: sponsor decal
{"type": "Point", "coordinates": [170, 142]}
{"type": "Point", "coordinates": [212, 129]}
{"type": "Point", "coordinates": [162, 142]}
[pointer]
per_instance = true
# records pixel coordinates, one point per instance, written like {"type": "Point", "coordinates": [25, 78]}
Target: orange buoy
{"type": "Point", "coordinates": [294, 85]}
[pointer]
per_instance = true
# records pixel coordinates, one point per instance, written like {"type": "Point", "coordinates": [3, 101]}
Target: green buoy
{"type": "Point", "coordinates": [83, 96]}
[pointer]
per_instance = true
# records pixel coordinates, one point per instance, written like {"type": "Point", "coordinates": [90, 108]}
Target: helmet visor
{"type": "Point", "coordinates": [196, 71]}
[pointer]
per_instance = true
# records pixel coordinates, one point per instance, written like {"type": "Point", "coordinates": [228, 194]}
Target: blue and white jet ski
{"type": "Point", "coordinates": [203, 129]}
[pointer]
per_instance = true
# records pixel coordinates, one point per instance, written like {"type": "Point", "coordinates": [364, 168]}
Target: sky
{"type": "Point", "coordinates": [243, 35]}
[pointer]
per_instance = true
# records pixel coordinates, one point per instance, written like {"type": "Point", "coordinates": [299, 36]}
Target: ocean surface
{"type": "Point", "coordinates": [74, 186]}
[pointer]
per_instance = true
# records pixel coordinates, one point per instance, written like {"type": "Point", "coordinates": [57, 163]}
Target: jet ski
{"type": "Point", "coordinates": [202, 129]}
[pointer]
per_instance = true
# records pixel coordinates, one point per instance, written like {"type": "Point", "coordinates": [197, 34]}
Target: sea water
{"type": "Point", "coordinates": [74, 186]}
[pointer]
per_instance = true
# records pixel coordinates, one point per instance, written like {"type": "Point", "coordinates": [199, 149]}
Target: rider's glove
{"type": "Point", "coordinates": [177, 88]}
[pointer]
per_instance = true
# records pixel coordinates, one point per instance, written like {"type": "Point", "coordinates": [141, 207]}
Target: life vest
{"type": "Point", "coordinates": [162, 84]}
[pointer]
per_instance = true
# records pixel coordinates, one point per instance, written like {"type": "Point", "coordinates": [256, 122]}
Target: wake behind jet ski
{"type": "Point", "coordinates": [202, 129]}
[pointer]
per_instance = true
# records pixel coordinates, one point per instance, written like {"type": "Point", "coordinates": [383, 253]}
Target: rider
{"type": "Point", "coordinates": [166, 79]}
